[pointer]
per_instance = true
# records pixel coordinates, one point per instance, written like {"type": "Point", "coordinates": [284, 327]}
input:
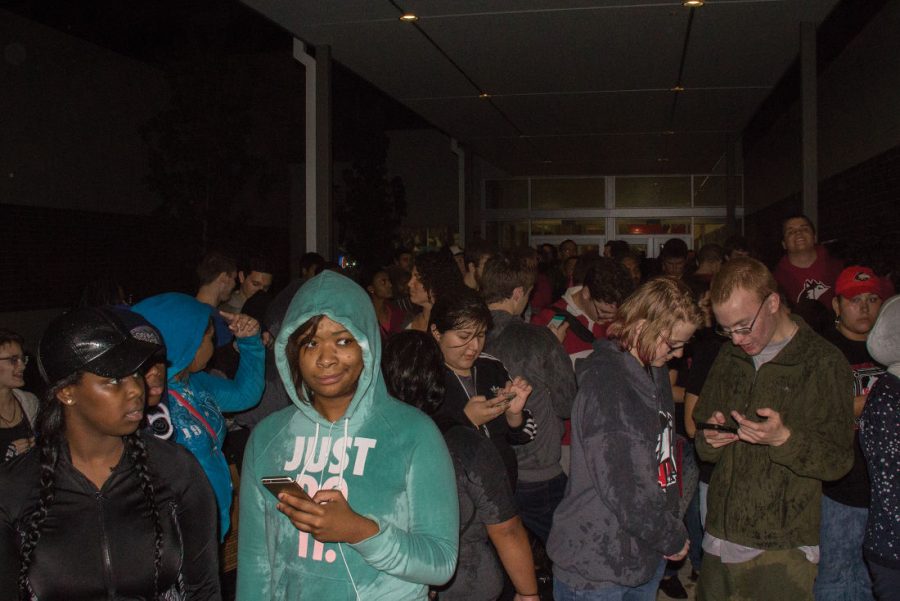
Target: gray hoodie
{"type": "Point", "coordinates": [534, 353]}
{"type": "Point", "coordinates": [619, 516]}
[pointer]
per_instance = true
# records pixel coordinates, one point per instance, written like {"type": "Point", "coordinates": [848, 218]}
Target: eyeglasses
{"type": "Point", "coordinates": [674, 348]}
{"type": "Point", "coordinates": [16, 360]}
{"type": "Point", "coordinates": [744, 331]}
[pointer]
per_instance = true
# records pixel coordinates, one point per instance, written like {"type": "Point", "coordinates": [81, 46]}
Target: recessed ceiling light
{"type": "Point", "coordinates": [484, 95]}
{"type": "Point", "coordinates": [409, 18]}
{"type": "Point", "coordinates": [692, 3]}
{"type": "Point", "coordinates": [669, 132]}
{"type": "Point", "coordinates": [662, 160]}
{"type": "Point", "coordinates": [677, 89]}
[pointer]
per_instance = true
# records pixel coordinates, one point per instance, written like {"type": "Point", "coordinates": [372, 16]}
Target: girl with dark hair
{"type": "Point", "coordinates": [434, 275]}
{"type": "Point", "coordinates": [18, 408]}
{"type": "Point", "coordinates": [377, 516]}
{"type": "Point", "coordinates": [413, 369]}
{"type": "Point", "coordinates": [479, 392]}
{"type": "Point", "coordinates": [100, 510]}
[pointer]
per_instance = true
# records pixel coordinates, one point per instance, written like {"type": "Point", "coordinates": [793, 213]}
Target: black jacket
{"type": "Point", "coordinates": [99, 544]}
{"type": "Point", "coordinates": [488, 373]}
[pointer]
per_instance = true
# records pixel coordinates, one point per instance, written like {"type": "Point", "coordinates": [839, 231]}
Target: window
{"type": "Point", "coordinates": [506, 194]}
{"type": "Point", "coordinates": [570, 193]}
{"type": "Point", "coordinates": [653, 227]}
{"type": "Point", "coordinates": [568, 227]}
{"type": "Point", "coordinates": [642, 192]}
{"type": "Point", "coordinates": [507, 234]}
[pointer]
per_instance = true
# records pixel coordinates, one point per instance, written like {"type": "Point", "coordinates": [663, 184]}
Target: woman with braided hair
{"type": "Point", "coordinates": [96, 509]}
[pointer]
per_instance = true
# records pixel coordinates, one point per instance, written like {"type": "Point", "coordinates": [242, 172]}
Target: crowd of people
{"type": "Point", "coordinates": [465, 424]}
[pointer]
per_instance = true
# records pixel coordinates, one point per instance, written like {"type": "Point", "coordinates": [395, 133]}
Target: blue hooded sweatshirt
{"type": "Point", "coordinates": [199, 425]}
{"type": "Point", "coordinates": [387, 458]}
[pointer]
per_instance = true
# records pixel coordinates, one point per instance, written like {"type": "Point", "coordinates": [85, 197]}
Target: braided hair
{"type": "Point", "coordinates": [136, 449]}
{"type": "Point", "coordinates": [50, 438]}
{"type": "Point", "coordinates": [50, 435]}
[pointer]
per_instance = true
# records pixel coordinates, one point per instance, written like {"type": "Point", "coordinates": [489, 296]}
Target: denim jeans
{"type": "Point", "coordinates": [843, 575]}
{"type": "Point", "coordinates": [537, 501]}
{"type": "Point", "coordinates": [610, 592]}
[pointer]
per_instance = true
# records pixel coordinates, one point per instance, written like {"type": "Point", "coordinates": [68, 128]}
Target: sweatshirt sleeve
{"type": "Point", "coordinates": [623, 465]}
{"type": "Point", "coordinates": [197, 518]}
{"type": "Point", "coordinates": [245, 390]}
{"type": "Point", "coordinates": [712, 399]}
{"type": "Point", "coordinates": [254, 570]}
{"type": "Point", "coordinates": [426, 552]}
{"type": "Point", "coordinates": [820, 445]}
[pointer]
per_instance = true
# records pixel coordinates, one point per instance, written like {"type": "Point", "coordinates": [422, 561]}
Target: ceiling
{"type": "Point", "coordinates": [575, 87]}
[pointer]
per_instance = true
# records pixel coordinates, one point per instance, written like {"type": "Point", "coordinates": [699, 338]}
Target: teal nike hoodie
{"type": "Point", "coordinates": [388, 459]}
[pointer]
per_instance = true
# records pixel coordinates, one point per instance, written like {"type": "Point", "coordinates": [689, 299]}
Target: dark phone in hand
{"type": "Point", "coordinates": [717, 427]}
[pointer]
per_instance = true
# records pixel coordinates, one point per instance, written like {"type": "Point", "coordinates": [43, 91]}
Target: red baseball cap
{"type": "Point", "coordinates": [856, 280]}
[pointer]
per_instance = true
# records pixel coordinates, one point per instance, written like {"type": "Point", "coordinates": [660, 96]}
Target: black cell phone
{"type": "Point", "coordinates": [285, 484]}
{"type": "Point", "coordinates": [717, 427]}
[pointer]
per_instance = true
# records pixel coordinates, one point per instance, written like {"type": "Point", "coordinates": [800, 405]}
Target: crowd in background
{"type": "Point", "coordinates": [469, 424]}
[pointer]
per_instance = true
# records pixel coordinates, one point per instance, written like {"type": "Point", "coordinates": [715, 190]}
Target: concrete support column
{"type": "Point", "coordinates": [809, 109]}
{"type": "Point", "coordinates": [731, 185]}
{"type": "Point", "coordinates": [461, 188]}
{"type": "Point", "coordinates": [317, 214]}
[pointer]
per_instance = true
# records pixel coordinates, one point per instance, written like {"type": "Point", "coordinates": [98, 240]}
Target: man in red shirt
{"type": "Point", "coordinates": [806, 272]}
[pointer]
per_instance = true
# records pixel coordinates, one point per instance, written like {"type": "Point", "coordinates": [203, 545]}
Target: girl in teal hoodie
{"type": "Point", "coordinates": [382, 523]}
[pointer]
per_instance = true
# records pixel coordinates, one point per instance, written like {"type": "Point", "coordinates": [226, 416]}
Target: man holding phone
{"type": "Point", "coordinates": [787, 397]}
{"type": "Point", "coordinates": [534, 353]}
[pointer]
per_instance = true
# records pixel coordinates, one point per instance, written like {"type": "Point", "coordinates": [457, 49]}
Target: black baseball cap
{"type": "Point", "coordinates": [90, 339]}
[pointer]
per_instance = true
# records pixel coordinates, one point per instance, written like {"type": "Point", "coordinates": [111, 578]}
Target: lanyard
{"type": "Point", "coordinates": [181, 400]}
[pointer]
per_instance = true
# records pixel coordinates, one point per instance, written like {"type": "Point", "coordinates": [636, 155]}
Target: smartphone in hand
{"type": "Point", "coordinates": [717, 427]}
{"type": "Point", "coordinates": [285, 484]}
{"type": "Point", "coordinates": [556, 321]}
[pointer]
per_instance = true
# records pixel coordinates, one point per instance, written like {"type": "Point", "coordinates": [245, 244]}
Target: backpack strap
{"type": "Point", "coordinates": [575, 326]}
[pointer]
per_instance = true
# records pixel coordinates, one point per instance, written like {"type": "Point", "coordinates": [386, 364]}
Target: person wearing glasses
{"type": "Point", "coordinates": [775, 416]}
{"type": "Point", "coordinates": [619, 520]}
{"type": "Point", "coordinates": [18, 408]}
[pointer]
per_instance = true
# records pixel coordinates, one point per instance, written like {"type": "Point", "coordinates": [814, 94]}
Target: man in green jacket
{"type": "Point", "coordinates": [787, 396]}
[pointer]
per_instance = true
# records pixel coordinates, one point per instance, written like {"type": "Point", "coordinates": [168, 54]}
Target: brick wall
{"type": "Point", "coordinates": [859, 209]}
{"type": "Point", "coordinates": [48, 255]}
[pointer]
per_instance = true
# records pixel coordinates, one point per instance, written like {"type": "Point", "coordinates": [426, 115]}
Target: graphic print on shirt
{"type": "Point", "coordinates": [812, 290]}
{"type": "Point", "coordinates": [864, 377]}
{"type": "Point", "coordinates": [323, 463]}
{"type": "Point", "coordinates": [667, 471]}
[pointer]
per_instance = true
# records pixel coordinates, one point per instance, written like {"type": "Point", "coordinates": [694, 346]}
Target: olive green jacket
{"type": "Point", "coordinates": [768, 497]}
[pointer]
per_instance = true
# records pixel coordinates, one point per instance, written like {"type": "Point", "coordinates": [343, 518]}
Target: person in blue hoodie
{"type": "Point", "coordinates": [197, 399]}
{"type": "Point", "coordinates": [382, 522]}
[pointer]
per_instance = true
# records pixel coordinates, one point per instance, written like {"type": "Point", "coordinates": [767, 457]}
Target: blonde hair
{"type": "Point", "coordinates": [651, 313]}
{"type": "Point", "coordinates": [742, 272]}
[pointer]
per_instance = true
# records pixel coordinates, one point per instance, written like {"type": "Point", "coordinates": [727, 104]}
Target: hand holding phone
{"type": "Point", "coordinates": [285, 484]}
{"type": "Point", "coordinates": [717, 427]}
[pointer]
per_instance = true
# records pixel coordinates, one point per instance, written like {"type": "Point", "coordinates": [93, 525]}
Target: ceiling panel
{"type": "Point", "coordinates": [716, 109]}
{"type": "Point", "coordinates": [466, 118]}
{"type": "Point", "coordinates": [565, 51]}
{"type": "Point", "coordinates": [585, 82]}
{"type": "Point", "coordinates": [588, 113]}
